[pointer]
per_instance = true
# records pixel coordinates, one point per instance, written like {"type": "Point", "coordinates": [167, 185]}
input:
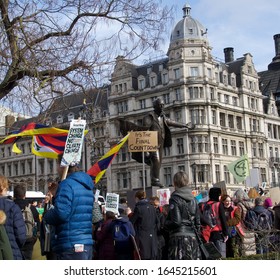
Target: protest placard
{"type": "Point", "coordinates": [112, 202]}
{"type": "Point", "coordinates": [74, 143]}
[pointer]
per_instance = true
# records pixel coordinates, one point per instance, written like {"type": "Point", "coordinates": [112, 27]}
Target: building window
{"type": "Point", "coordinates": [23, 168]}
{"type": "Point", "coordinates": [234, 101]}
{"type": "Point", "coordinates": [177, 73]}
{"type": "Point", "coordinates": [231, 121]}
{"type": "Point", "coordinates": [16, 169]}
{"type": "Point", "coordinates": [261, 154]}
{"type": "Point", "coordinates": [48, 121]}
{"type": "Point", "coordinates": [22, 148]}
{"type": "Point", "coordinates": [181, 167]}
{"type": "Point", "coordinates": [180, 145]}
{"type": "Point", "coordinates": [241, 148]}
{"type": "Point", "coordinates": [178, 94]}
{"type": "Point", "coordinates": [59, 119]}
{"type": "Point", "coordinates": [164, 78]}
{"type": "Point", "coordinates": [71, 117]}
{"type": "Point", "coordinates": [141, 84]}
{"type": "Point", "coordinates": [167, 173]}
{"type": "Point", "coordinates": [233, 147]}
{"type": "Point", "coordinates": [194, 71]}
{"type": "Point", "coordinates": [124, 153]}
{"type": "Point", "coordinates": [217, 172]}
{"type": "Point", "coordinates": [9, 170]}
{"type": "Point", "coordinates": [167, 151]}
{"type": "Point", "coordinates": [222, 119]}
{"type": "Point", "coordinates": [166, 98]}
{"type": "Point", "coordinates": [41, 167]}
{"type": "Point", "coordinates": [2, 152]}
{"type": "Point", "coordinates": [51, 166]}
{"type": "Point", "coordinates": [226, 175]}
{"type": "Point", "coordinates": [226, 99]}
{"type": "Point", "coordinates": [239, 123]}
{"type": "Point", "coordinates": [122, 107]}
{"type": "Point", "coordinates": [216, 145]}
{"type": "Point", "coordinates": [225, 146]}
{"type": "Point", "coordinates": [212, 93]}
{"type": "Point", "coordinates": [214, 117]}
{"type": "Point", "coordinates": [9, 151]}
{"type": "Point", "coordinates": [178, 116]}
{"type": "Point", "coordinates": [263, 174]}
{"type": "Point", "coordinates": [142, 103]}
{"type": "Point", "coordinates": [198, 116]}
{"type": "Point", "coordinates": [153, 81]}
{"type": "Point", "coordinates": [254, 149]}
{"type": "Point", "coordinates": [3, 169]}
{"type": "Point", "coordinates": [29, 164]}
{"type": "Point", "coordinates": [209, 73]}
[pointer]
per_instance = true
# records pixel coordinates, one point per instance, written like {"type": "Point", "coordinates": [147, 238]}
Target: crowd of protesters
{"type": "Point", "coordinates": [75, 227]}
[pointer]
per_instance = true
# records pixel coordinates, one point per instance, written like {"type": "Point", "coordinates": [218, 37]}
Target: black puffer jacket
{"type": "Point", "coordinates": [178, 222]}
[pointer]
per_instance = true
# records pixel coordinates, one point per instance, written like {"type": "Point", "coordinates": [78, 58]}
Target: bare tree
{"type": "Point", "coordinates": [54, 47]}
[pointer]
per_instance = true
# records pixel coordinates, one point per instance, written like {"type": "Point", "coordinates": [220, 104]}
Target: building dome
{"type": "Point", "coordinates": [188, 28]}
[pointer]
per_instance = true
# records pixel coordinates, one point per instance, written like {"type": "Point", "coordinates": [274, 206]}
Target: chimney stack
{"type": "Point", "coordinates": [228, 55]}
{"type": "Point", "coordinates": [275, 64]}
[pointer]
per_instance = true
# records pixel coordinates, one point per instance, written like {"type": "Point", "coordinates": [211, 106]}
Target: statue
{"type": "Point", "coordinates": [154, 121]}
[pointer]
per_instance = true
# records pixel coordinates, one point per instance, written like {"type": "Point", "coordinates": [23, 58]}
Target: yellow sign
{"type": "Point", "coordinates": [142, 141]}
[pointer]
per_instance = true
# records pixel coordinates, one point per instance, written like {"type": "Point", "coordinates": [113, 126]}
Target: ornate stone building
{"type": "Point", "coordinates": [234, 114]}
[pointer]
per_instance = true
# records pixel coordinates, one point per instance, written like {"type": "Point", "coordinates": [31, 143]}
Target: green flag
{"type": "Point", "coordinates": [239, 168]}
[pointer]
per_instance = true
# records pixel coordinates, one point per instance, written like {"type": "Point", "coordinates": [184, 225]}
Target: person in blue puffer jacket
{"type": "Point", "coordinates": [71, 215]}
{"type": "Point", "coordinates": [15, 225]}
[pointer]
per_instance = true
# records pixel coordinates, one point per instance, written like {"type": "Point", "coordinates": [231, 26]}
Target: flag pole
{"type": "Point", "coordinates": [143, 165]}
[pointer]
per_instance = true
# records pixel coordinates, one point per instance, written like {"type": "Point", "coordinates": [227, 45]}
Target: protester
{"type": "Point", "coordinates": [72, 215]}
{"type": "Point", "coordinates": [146, 225]}
{"type": "Point", "coordinates": [218, 234]}
{"type": "Point", "coordinates": [47, 231]}
{"type": "Point", "coordinates": [154, 200]}
{"type": "Point", "coordinates": [243, 202]}
{"type": "Point", "coordinates": [123, 233]}
{"type": "Point", "coordinates": [6, 252]}
{"type": "Point", "coordinates": [14, 226]}
{"type": "Point", "coordinates": [262, 235]}
{"type": "Point", "coordinates": [19, 199]}
{"type": "Point", "coordinates": [183, 243]}
{"type": "Point", "coordinates": [104, 237]}
{"type": "Point", "coordinates": [235, 231]}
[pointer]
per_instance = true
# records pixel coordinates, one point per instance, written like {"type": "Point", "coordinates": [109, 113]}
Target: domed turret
{"type": "Point", "coordinates": [188, 28]}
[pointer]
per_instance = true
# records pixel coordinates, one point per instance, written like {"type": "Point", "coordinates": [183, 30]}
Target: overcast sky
{"type": "Point", "coordinates": [246, 25]}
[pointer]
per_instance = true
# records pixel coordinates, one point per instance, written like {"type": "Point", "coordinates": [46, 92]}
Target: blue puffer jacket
{"type": "Point", "coordinates": [72, 212]}
{"type": "Point", "coordinates": [15, 226]}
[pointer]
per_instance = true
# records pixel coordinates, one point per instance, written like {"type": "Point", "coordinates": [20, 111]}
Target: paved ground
{"type": "Point", "coordinates": [37, 252]}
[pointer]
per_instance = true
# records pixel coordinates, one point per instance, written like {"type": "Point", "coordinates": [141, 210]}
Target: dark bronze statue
{"type": "Point", "coordinates": [154, 121]}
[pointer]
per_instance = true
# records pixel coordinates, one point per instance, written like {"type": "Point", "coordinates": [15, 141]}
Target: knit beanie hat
{"type": "Point", "coordinates": [267, 202]}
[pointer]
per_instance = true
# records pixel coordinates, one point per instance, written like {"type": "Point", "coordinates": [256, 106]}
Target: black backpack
{"type": "Point", "coordinates": [208, 216]}
{"type": "Point", "coordinates": [264, 222]}
{"type": "Point", "coordinates": [251, 220]}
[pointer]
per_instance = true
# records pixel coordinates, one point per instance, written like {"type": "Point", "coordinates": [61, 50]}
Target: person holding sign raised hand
{"type": "Point", "coordinates": [72, 215]}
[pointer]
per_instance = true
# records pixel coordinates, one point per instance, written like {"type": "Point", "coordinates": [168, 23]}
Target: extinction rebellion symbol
{"type": "Point", "coordinates": [241, 168]}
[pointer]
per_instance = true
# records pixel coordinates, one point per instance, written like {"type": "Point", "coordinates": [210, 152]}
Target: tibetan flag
{"type": "Point", "coordinates": [49, 146]}
{"type": "Point", "coordinates": [240, 168]}
{"type": "Point", "coordinates": [31, 129]}
{"type": "Point", "coordinates": [100, 167]}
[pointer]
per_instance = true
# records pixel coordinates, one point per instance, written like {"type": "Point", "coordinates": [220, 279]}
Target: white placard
{"type": "Point", "coordinates": [112, 202]}
{"type": "Point", "coordinates": [164, 195]}
{"type": "Point", "coordinates": [74, 143]}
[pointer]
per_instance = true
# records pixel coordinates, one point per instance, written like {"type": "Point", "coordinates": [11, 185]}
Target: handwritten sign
{"type": "Point", "coordinates": [112, 202]}
{"type": "Point", "coordinates": [74, 142]}
{"type": "Point", "coordinates": [143, 141]}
